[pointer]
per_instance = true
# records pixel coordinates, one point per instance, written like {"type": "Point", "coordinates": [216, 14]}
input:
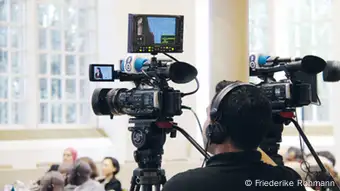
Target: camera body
{"type": "Point", "coordinates": [298, 89]}
{"type": "Point", "coordinates": [287, 95]}
{"type": "Point", "coordinates": [147, 102]}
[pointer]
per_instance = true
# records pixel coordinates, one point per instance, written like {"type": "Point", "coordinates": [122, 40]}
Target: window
{"type": "Point", "coordinates": [45, 49]}
{"type": "Point", "coordinates": [310, 33]}
{"type": "Point", "coordinates": [12, 65]}
{"type": "Point", "coordinates": [259, 29]}
{"type": "Point", "coordinates": [66, 47]}
{"type": "Point", "coordinates": [259, 26]}
{"type": "Point", "coordinates": [304, 29]}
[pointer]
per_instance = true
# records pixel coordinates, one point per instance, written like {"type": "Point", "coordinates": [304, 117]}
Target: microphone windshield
{"type": "Point", "coordinates": [312, 64]}
{"type": "Point", "coordinates": [332, 71]}
{"type": "Point", "coordinates": [181, 72]}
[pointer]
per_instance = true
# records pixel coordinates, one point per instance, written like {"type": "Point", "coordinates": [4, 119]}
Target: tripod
{"type": "Point", "coordinates": [148, 136]}
{"type": "Point", "coordinates": [271, 145]}
{"type": "Point", "coordinates": [149, 139]}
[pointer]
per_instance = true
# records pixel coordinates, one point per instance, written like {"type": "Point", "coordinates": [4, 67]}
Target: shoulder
{"type": "Point", "coordinates": [114, 185]}
{"type": "Point", "coordinates": [183, 181]}
{"type": "Point", "coordinates": [285, 172]}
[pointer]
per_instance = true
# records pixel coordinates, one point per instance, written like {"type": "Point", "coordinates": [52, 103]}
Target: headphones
{"type": "Point", "coordinates": [215, 132]}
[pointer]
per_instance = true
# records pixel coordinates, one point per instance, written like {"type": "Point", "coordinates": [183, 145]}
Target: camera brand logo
{"type": "Point", "coordinates": [252, 59]}
{"type": "Point", "coordinates": [128, 64]}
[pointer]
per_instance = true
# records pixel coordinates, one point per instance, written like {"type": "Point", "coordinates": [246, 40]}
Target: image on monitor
{"type": "Point", "coordinates": [102, 73]}
{"type": "Point", "coordinates": [156, 30]}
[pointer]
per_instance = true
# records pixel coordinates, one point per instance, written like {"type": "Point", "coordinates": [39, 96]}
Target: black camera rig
{"type": "Point", "coordinates": [152, 103]}
{"type": "Point", "coordinates": [286, 95]}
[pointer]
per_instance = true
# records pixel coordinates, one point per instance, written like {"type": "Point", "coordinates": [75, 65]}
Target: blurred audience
{"type": "Point", "coordinates": [294, 159]}
{"type": "Point", "coordinates": [65, 169]}
{"type": "Point", "coordinates": [328, 155]}
{"type": "Point", "coordinates": [110, 168]}
{"type": "Point", "coordinates": [70, 155]}
{"type": "Point", "coordinates": [80, 176]}
{"type": "Point", "coordinates": [94, 171]}
{"type": "Point", "coordinates": [294, 154]}
{"type": "Point", "coordinates": [52, 181]}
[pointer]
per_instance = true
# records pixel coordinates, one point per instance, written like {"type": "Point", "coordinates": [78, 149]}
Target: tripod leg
{"type": "Point", "coordinates": [158, 188]}
{"type": "Point", "coordinates": [133, 183]}
{"type": "Point", "coordinates": [147, 188]}
{"type": "Point", "coordinates": [137, 188]}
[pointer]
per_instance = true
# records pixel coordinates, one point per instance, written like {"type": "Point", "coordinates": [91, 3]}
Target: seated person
{"type": "Point", "coordinates": [237, 121]}
{"type": "Point", "coordinates": [52, 181]}
{"type": "Point", "coordinates": [65, 170]}
{"type": "Point", "coordinates": [110, 168]}
{"type": "Point", "coordinates": [80, 177]}
{"type": "Point", "coordinates": [294, 154]}
{"type": "Point", "coordinates": [94, 170]}
{"type": "Point", "coordinates": [326, 154]}
{"type": "Point", "coordinates": [70, 155]}
{"type": "Point", "coordinates": [326, 162]}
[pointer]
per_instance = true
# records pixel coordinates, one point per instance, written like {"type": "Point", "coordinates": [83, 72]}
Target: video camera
{"type": "Point", "coordinates": [152, 103]}
{"type": "Point", "coordinates": [292, 92]}
{"type": "Point", "coordinates": [152, 97]}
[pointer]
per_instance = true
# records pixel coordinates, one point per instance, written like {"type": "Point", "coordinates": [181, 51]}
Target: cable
{"type": "Point", "coordinates": [193, 92]}
{"type": "Point", "coordinates": [201, 129]}
{"type": "Point", "coordinates": [192, 141]}
{"type": "Point", "coordinates": [206, 150]}
{"type": "Point", "coordinates": [168, 55]}
{"type": "Point", "coordinates": [197, 119]}
{"type": "Point", "coordinates": [196, 80]}
{"type": "Point", "coordinates": [318, 101]}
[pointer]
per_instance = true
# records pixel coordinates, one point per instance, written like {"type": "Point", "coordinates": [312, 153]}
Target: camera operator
{"type": "Point", "coordinates": [244, 116]}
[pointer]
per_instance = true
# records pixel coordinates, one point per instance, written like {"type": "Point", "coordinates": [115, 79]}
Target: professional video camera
{"type": "Point", "coordinates": [152, 103]}
{"type": "Point", "coordinates": [286, 95]}
{"type": "Point", "coordinates": [289, 93]}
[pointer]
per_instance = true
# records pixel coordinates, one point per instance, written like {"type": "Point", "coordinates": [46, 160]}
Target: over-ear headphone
{"type": "Point", "coordinates": [215, 132]}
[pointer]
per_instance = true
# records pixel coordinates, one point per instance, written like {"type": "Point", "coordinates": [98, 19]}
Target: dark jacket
{"type": "Point", "coordinates": [112, 185]}
{"type": "Point", "coordinates": [237, 172]}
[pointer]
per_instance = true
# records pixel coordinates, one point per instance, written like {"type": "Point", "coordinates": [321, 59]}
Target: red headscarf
{"type": "Point", "coordinates": [73, 152]}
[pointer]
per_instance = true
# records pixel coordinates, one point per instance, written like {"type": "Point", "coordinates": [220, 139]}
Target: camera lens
{"type": "Point", "coordinates": [105, 102]}
{"type": "Point", "coordinates": [99, 103]}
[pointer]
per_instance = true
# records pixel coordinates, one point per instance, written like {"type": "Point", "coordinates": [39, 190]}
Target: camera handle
{"type": "Point", "coordinates": [316, 157]}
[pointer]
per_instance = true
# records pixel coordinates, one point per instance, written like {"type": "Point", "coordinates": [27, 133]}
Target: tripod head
{"type": "Point", "coordinates": [149, 136]}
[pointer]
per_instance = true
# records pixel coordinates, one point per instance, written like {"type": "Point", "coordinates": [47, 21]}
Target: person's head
{"type": "Point", "coordinates": [52, 181]}
{"type": "Point", "coordinates": [294, 154]}
{"type": "Point", "coordinates": [98, 70]}
{"type": "Point", "coordinates": [94, 173]}
{"type": "Point", "coordinates": [327, 155]}
{"type": "Point", "coordinates": [110, 166]}
{"type": "Point", "coordinates": [65, 169]}
{"type": "Point", "coordinates": [69, 155]}
{"type": "Point", "coordinates": [80, 173]}
{"type": "Point", "coordinates": [53, 167]}
{"type": "Point", "coordinates": [140, 21]}
{"type": "Point", "coordinates": [244, 114]}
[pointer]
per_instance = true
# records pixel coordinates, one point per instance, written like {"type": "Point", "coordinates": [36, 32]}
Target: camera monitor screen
{"type": "Point", "coordinates": [155, 33]}
{"type": "Point", "coordinates": [101, 72]}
